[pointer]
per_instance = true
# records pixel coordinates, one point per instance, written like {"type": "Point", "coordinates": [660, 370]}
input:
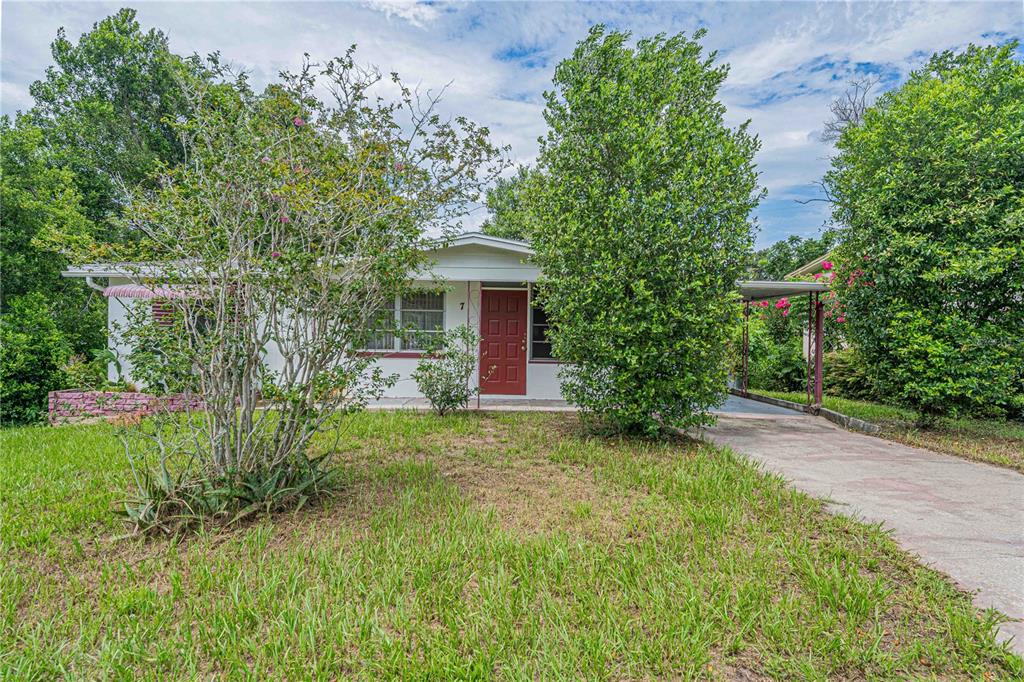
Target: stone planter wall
{"type": "Point", "coordinates": [76, 405]}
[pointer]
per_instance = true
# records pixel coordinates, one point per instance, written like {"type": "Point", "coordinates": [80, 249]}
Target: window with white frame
{"type": "Point", "coordinates": [420, 315]}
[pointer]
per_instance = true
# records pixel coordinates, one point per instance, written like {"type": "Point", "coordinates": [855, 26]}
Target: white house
{"type": "Point", "coordinates": [486, 283]}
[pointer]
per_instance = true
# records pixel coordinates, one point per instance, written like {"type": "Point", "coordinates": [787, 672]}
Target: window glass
{"type": "Point", "coordinates": [383, 326]}
{"type": "Point", "coordinates": [541, 347]}
{"type": "Point", "coordinates": [422, 317]}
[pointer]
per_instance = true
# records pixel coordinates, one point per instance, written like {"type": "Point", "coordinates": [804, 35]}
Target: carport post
{"type": "Point", "coordinates": [819, 350]}
{"type": "Point", "coordinates": [746, 345]}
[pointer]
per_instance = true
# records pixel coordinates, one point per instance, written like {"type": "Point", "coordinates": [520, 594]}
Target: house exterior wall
{"type": "Point", "coordinates": [461, 306]}
{"type": "Point", "coordinates": [117, 322]}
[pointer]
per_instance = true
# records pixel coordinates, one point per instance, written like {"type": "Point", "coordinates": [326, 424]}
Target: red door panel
{"type": "Point", "coordinates": [503, 348]}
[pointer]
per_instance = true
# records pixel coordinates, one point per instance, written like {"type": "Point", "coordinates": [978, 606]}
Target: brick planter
{"type": "Point", "coordinates": [74, 405]}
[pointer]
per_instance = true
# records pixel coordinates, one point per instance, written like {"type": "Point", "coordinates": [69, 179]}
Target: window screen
{"type": "Point", "coordinates": [422, 318]}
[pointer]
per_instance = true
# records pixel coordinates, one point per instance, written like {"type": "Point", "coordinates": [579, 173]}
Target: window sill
{"type": "Point", "coordinates": [546, 361]}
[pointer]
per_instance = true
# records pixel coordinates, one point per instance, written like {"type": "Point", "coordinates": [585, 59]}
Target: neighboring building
{"type": "Point", "coordinates": [486, 283]}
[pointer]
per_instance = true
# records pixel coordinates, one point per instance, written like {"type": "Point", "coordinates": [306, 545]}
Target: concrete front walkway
{"type": "Point", "coordinates": [962, 518]}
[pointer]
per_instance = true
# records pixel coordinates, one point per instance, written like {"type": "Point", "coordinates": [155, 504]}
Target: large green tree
{"type": "Point", "coordinates": [44, 317]}
{"type": "Point", "coordinates": [642, 227]}
{"type": "Point", "coordinates": [107, 105]}
{"type": "Point", "coordinates": [929, 189]}
{"type": "Point", "coordinates": [508, 205]}
{"type": "Point", "coordinates": [102, 121]}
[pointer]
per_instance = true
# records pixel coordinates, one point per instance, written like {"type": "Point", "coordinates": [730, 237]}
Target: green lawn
{"type": "Point", "coordinates": [477, 546]}
{"type": "Point", "coordinates": [984, 440]}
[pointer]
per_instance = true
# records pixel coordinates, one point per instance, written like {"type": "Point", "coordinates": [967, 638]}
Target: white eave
{"type": "Point", "coordinates": [808, 268]}
{"type": "Point", "coordinates": [481, 239]}
{"type": "Point", "coordinates": [760, 290]}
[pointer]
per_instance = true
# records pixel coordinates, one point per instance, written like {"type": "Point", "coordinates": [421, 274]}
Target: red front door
{"type": "Point", "coordinates": [503, 344]}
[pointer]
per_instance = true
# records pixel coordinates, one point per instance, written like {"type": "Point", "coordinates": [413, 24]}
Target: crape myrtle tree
{"type": "Point", "coordinates": [642, 228]}
{"type": "Point", "coordinates": [290, 223]}
{"type": "Point", "coordinates": [929, 191]}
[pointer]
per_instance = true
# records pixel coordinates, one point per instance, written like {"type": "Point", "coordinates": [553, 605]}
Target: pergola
{"type": "Point", "coordinates": [752, 291]}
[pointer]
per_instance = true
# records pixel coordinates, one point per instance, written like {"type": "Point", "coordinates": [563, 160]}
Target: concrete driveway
{"type": "Point", "coordinates": [962, 518]}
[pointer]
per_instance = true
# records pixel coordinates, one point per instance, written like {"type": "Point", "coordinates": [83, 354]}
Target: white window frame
{"type": "Point", "coordinates": [396, 312]}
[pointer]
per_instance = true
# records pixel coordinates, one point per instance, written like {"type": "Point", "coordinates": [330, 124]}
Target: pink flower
{"type": "Point", "coordinates": [399, 166]}
{"type": "Point", "coordinates": [782, 303]}
{"type": "Point", "coordinates": [298, 122]}
{"type": "Point", "coordinates": [785, 313]}
{"type": "Point", "coordinates": [265, 159]}
{"type": "Point", "coordinates": [841, 318]}
{"type": "Point", "coordinates": [285, 219]}
{"type": "Point", "coordinates": [826, 265]}
{"type": "Point", "coordinates": [275, 254]}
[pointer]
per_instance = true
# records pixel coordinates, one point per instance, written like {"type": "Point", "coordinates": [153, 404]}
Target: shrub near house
{"type": "Point", "coordinates": [640, 244]}
{"type": "Point", "coordinates": [929, 189]}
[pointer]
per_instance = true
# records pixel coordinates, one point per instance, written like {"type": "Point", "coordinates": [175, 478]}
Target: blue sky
{"type": "Point", "coordinates": [788, 59]}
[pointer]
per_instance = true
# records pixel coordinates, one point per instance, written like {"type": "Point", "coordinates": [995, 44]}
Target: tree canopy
{"type": "Point", "coordinates": [107, 105]}
{"type": "Point", "coordinates": [929, 192]}
{"type": "Point", "coordinates": [641, 227]}
{"type": "Point", "coordinates": [508, 205]}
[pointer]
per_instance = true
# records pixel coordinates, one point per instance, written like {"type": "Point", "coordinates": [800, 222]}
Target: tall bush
{"type": "Point", "coordinates": [32, 353]}
{"type": "Point", "coordinates": [929, 190]}
{"type": "Point", "coordinates": [641, 228]}
{"type": "Point", "coordinates": [292, 223]}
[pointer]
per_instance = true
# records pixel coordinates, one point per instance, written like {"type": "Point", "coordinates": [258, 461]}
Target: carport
{"type": "Point", "coordinates": [753, 291]}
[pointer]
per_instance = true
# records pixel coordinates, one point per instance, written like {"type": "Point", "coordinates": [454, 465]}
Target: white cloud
{"type": "Point", "coordinates": [416, 13]}
{"type": "Point", "coordinates": [787, 59]}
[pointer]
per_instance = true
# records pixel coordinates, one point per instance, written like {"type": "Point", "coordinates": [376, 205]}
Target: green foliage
{"type": "Point", "coordinates": [81, 372]}
{"type": "Point", "coordinates": [162, 354]}
{"type": "Point", "coordinates": [103, 114]}
{"type": "Point", "coordinates": [773, 364]}
{"type": "Point", "coordinates": [846, 375]}
{"type": "Point", "coordinates": [944, 364]}
{"type": "Point", "coordinates": [39, 200]}
{"type": "Point", "coordinates": [32, 353]}
{"type": "Point", "coordinates": [641, 228]}
{"type": "Point", "coordinates": [929, 189]}
{"type": "Point", "coordinates": [107, 107]}
{"type": "Point", "coordinates": [172, 503]}
{"type": "Point", "coordinates": [786, 255]}
{"type": "Point", "coordinates": [443, 375]}
{"type": "Point", "coordinates": [508, 205]}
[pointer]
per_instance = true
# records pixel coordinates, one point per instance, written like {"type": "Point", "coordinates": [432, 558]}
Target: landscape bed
{"type": "Point", "coordinates": [474, 546]}
{"type": "Point", "coordinates": [984, 440]}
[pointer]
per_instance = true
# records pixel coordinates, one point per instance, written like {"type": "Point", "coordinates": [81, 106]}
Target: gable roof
{"type": "Point", "coordinates": [481, 239]}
